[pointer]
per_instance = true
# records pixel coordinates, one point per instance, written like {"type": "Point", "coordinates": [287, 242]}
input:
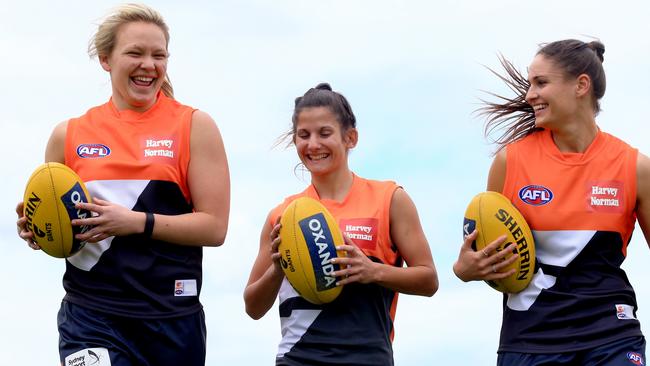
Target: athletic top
{"type": "Point", "coordinates": [357, 327]}
{"type": "Point", "coordinates": [140, 161]}
{"type": "Point", "coordinates": [581, 210]}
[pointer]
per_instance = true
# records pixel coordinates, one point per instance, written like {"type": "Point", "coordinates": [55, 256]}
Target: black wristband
{"type": "Point", "coordinates": [148, 225]}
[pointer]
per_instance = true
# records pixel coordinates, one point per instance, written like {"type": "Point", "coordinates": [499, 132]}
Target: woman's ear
{"type": "Point", "coordinates": [583, 86]}
{"type": "Point", "coordinates": [103, 60]}
{"type": "Point", "coordinates": [351, 137]}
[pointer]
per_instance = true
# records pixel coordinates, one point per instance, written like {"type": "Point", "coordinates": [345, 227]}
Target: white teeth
{"type": "Point", "coordinates": [318, 156]}
{"type": "Point", "coordinates": [143, 79]}
{"type": "Point", "coordinates": [539, 107]}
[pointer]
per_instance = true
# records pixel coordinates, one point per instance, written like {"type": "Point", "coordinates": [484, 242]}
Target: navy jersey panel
{"type": "Point", "coordinates": [579, 311]}
{"type": "Point", "coordinates": [354, 329]}
{"type": "Point", "coordinates": [136, 276]}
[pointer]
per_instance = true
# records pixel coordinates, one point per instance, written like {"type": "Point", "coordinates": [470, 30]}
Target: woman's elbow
{"type": "Point", "coordinates": [254, 314]}
{"type": "Point", "coordinates": [217, 236]}
{"type": "Point", "coordinates": [435, 285]}
{"type": "Point", "coordinates": [252, 308]}
{"type": "Point", "coordinates": [432, 283]}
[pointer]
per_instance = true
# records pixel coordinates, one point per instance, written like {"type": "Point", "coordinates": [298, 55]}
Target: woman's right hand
{"type": "Point", "coordinates": [485, 264]}
{"type": "Point", "coordinates": [21, 225]}
{"type": "Point", "coordinates": [275, 244]}
{"type": "Point", "coordinates": [266, 275]}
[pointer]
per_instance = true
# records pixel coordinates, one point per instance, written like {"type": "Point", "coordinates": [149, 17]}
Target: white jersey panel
{"type": "Point", "coordinates": [295, 325]}
{"type": "Point", "coordinates": [556, 248]}
{"type": "Point", "coordinates": [121, 192]}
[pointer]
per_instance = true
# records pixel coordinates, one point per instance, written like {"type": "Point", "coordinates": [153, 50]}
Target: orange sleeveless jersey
{"type": "Point", "coordinates": [581, 210]}
{"type": "Point", "coordinates": [360, 319]}
{"type": "Point", "coordinates": [157, 147]}
{"type": "Point", "coordinates": [363, 215]}
{"type": "Point", "coordinates": [139, 161]}
{"type": "Point", "coordinates": [592, 190]}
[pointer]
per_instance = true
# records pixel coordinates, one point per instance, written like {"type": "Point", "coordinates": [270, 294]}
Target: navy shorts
{"type": "Point", "coordinates": [624, 352]}
{"type": "Point", "coordinates": [88, 337]}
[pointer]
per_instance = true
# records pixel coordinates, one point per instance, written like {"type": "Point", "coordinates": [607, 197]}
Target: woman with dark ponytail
{"type": "Point", "coordinates": [581, 191]}
{"type": "Point", "coordinates": [357, 327]}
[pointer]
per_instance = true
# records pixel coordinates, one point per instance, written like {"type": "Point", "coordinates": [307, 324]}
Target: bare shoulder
{"type": "Point", "coordinates": [55, 150]}
{"type": "Point", "coordinates": [497, 175]}
{"type": "Point", "coordinates": [204, 132]}
{"type": "Point", "coordinates": [403, 214]}
{"type": "Point", "coordinates": [643, 176]}
{"type": "Point", "coordinates": [643, 167]}
{"type": "Point", "coordinates": [59, 131]}
{"type": "Point", "coordinates": [202, 120]}
{"type": "Point", "coordinates": [400, 201]}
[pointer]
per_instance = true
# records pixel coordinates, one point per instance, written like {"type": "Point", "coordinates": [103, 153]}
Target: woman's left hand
{"type": "Point", "coordinates": [108, 220]}
{"type": "Point", "coordinates": [356, 266]}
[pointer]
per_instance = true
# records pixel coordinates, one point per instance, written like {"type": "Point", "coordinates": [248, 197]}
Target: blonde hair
{"type": "Point", "coordinates": [103, 41]}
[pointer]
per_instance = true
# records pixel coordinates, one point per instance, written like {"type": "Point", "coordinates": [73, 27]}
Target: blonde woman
{"type": "Point", "coordinates": [158, 175]}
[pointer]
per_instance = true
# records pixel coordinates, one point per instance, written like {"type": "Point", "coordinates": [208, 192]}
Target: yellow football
{"type": "Point", "coordinates": [49, 205]}
{"type": "Point", "coordinates": [494, 215]}
{"type": "Point", "coordinates": [309, 236]}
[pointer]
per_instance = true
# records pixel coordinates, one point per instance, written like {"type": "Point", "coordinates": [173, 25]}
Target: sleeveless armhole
{"type": "Point", "coordinates": [388, 200]}
{"type": "Point", "coordinates": [632, 159]}
{"type": "Point", "coordinates": [185, 154]}
{"type": "Point", "coordinates": [68, 151]}
{"type": "Point", "coordinates": [511, 174]}
{"type": "Point", "coordinates": [275, 213]}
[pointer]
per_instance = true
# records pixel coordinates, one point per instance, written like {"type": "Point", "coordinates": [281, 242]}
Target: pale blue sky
{"type": "Point", "coordinates": [412, 71]}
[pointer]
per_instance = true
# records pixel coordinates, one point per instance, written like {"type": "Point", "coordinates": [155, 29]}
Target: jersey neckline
{"type": "Point", "coordinates": [314, 193]}
{"type": "Point", "coordinates": [572, 158]}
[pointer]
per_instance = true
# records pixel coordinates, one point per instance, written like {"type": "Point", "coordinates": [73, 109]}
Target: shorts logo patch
{"type": "Point", "coordinates": [624, 312]}
{"type": "Point", "coordinates": [635, 358]}
{"type": "Point", "coordinates": [89, 357]}
{"type": "Point", "coordinates": [535, 195]}
{"type": "Point", "coordinates": [185, 288]}
{"type": "Point", "coordinates": [93, 151]}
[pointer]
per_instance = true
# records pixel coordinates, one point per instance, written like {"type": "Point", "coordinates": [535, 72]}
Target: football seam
{"type": "Point", "coordinates": [58, 212]}
{"type": "Point", "coordinates": [313, 291]}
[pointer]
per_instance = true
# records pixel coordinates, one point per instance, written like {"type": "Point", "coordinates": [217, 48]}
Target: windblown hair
{"type": "Point", "coordinates": [513, 116]}
{"type": "Point", "coordinates": [103, 41]}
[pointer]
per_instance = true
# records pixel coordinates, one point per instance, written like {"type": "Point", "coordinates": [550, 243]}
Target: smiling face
{"type": "Point", "coordinates": [137, 64]}
{"type": "Point", "coordinates": [552, 94]}
{"type": "Point", "coordinates": [321, 144]}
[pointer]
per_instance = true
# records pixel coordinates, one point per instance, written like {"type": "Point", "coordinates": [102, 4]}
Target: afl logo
{"type": "Point", "coordinates": [535, 195]}
{"type": "Point", "coordinates": [93, 151]}
{"type": "Point", "coordinates": [635, 358]}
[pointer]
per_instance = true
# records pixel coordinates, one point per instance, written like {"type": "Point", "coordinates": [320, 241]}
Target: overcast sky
{"type": "Point", "coordinates": [413, 72]}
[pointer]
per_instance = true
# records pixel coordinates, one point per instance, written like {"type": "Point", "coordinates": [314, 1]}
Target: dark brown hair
{"type": "Point", "coordinates": [514, 116]}
{"type": "Point", "coordinates": [321, 95]}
